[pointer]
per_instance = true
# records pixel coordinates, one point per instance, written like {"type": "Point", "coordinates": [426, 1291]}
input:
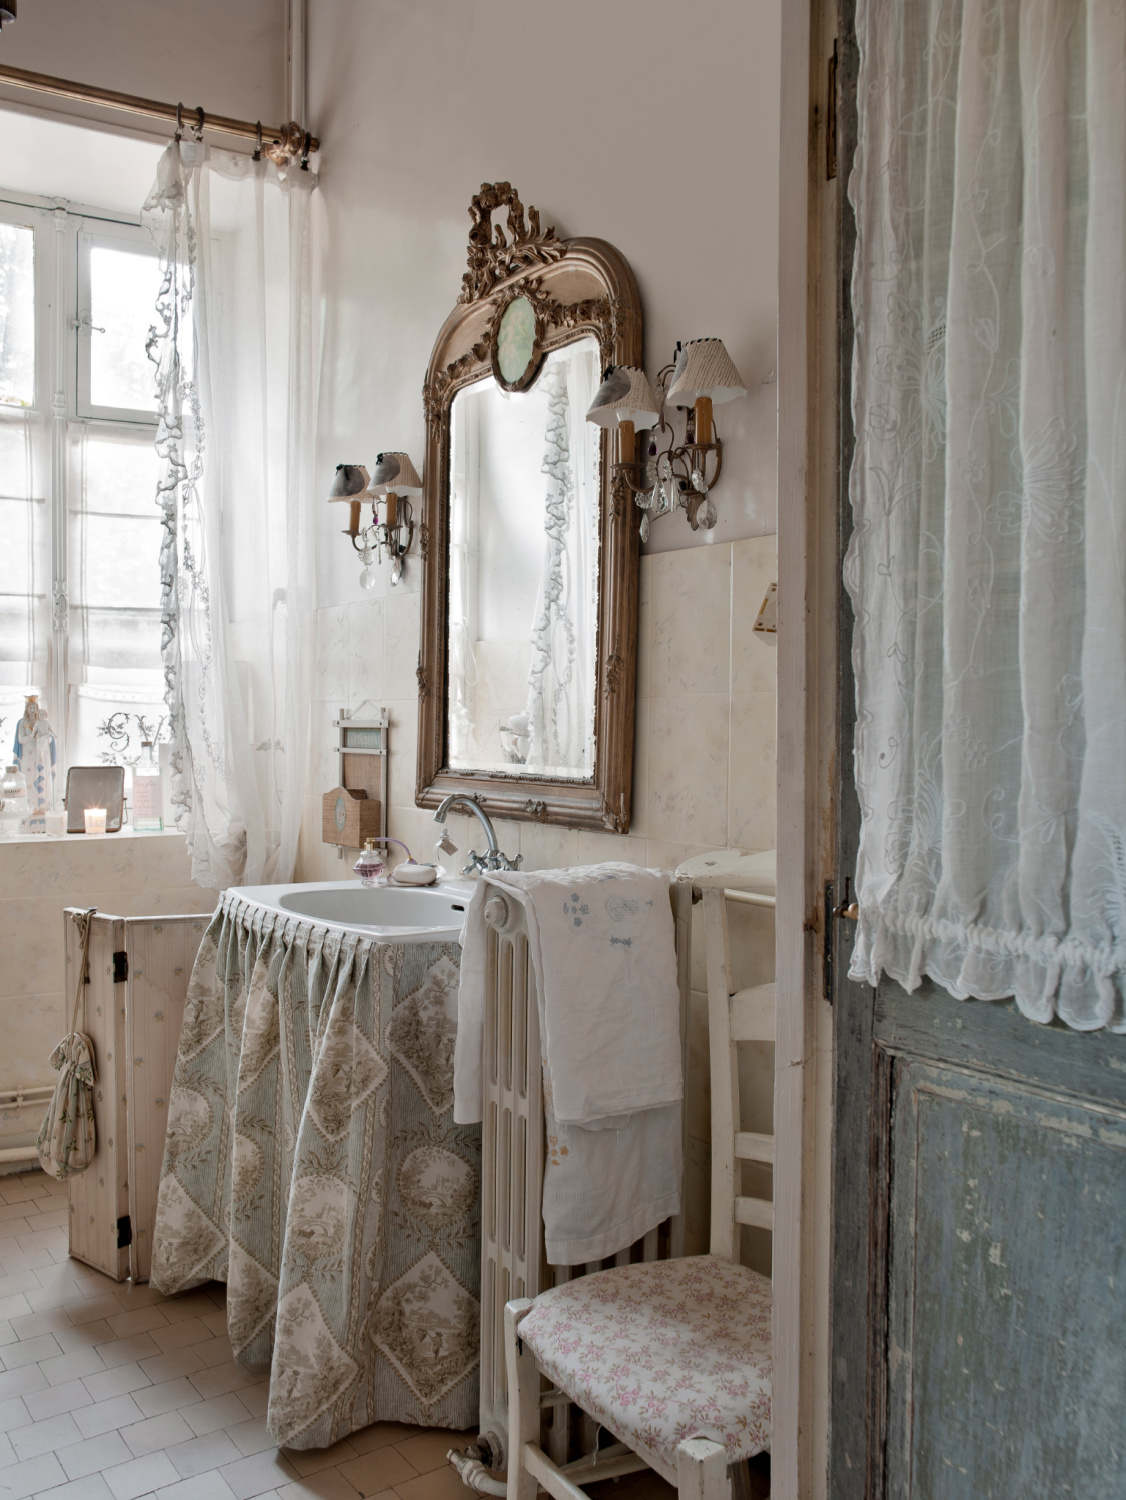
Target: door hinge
{"type": "Point", "coordinates": [120, 966]}
{"type": "Point", "coordinates": [124, 1232]}
{"type": "Point", "coordinates": [831, 118]}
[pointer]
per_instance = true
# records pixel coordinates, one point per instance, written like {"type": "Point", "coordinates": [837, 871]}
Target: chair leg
{"type": "Point", "coordinates": [701, 1470]}
{"type": "Point", "coordinates": [523, 1402]}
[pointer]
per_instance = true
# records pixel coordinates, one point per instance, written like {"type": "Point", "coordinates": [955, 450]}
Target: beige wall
{"type": "Point", "coordinates": [123, 875]}
{"type": "Point", "coordinates": [229, 58]}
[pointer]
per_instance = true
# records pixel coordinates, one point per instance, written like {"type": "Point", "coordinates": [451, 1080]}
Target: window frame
{"type": "Point", "coordinates": [135, 240]}
{"type": "Point", "coordinates": [59, 226]}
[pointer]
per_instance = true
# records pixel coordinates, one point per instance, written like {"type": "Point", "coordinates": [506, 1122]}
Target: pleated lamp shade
{"type": "Point", "coordinates": [349, 482]}
{"type": "Point", "coordinates": [624, 396]}
{"type": "Point", "coordinates": [394, 472]}
{"type": "Point", "coordinates": [704, 368]}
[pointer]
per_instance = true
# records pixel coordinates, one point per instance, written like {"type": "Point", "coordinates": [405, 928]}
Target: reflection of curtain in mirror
{"type": "Point", "coordinates": [462, 746]}
{"type": "Point", "coordinates": [561, 678]}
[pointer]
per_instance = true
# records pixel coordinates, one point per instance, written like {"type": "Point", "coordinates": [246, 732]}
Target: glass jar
{"type": "Point", "coordinates": [14, 805]}
{"type": "Point", "coordinates": [148, 792]}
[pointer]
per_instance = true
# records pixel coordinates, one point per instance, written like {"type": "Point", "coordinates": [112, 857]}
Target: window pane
{"type": "Point", "coordinates": [123, 291]}
{"type": "Point", "coordinates": [17, 315]}
{"type": "Point", "coordinates": [121, 475]}
{"type": "Point", "coordinates": [114, 665]}
{"type": "Point", "coordinates": [106, 725]}
{"type": "Point", "coordinates": [25, 527]}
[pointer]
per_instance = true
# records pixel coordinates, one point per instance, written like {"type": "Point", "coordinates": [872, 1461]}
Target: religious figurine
{"type": "Point", "coordinates": [35, 751]}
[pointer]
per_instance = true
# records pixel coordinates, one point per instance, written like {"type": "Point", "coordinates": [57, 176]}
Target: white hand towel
{"type": "Point", "coordinates": [601, 942]}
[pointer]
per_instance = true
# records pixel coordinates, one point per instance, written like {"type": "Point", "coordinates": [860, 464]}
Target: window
{"type": "Point", "coordinates": [79, 526]}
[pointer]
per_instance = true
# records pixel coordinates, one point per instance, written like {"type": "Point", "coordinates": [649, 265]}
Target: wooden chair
{"type": "Point", "coordinates": [672, 1357]}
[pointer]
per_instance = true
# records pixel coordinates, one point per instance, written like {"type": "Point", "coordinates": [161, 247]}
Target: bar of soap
{"type": "Point", "coordinates": [410, 872]}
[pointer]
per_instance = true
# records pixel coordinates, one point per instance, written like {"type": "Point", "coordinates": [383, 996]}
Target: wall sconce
{"type": "Point", "coordinates": [394, 478]}
{"type": "Point", "coordinates": [701, 376]}
{"type": "Point", "coordinates": [350, 483]}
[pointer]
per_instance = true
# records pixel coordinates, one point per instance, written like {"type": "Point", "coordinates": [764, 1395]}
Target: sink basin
{"type": "Point", "coordinates": [399, 913]}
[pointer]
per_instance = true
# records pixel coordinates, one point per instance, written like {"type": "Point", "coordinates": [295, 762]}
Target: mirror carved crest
{"type": "Point", "coordinates": [527, 665]}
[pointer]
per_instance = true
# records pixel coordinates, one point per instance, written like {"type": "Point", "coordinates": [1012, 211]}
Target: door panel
{"type": "Point", "coordinates": [1007, 1290]}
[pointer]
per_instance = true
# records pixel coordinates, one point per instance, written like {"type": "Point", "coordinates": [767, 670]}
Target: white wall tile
{"type": "Point", "coordinates": [687, 781]}
{"type": "Point", "coordinates": [330, 674]}
{"type": "Point", "coordinates": [754, 658]}
{"type": "Point", "coordinates": [365, 652]}
{"type": "Point", "coordinates": [752, 795]}
{"type": "Point", "coordinates": [691, 621]}
{"type": "Point", "coordinates": [400, 645]}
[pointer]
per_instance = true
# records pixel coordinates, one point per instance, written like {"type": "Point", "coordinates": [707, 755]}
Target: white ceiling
{"type": "Point", "coordinates": [96, 168]}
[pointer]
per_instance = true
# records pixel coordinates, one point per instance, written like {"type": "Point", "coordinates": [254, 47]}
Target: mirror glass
{"type": "Point", "coordinates": [523, 574]}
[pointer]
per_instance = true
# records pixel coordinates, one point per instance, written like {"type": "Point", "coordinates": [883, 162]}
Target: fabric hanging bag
{"type": "Point", "coordinates": [66, 1137]}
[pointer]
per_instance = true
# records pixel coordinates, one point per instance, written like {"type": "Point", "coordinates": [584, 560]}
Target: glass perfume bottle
{"type": "Point", "coordinates": [369, 866]}
{"type": "Point", "coordinates": [148, 792]}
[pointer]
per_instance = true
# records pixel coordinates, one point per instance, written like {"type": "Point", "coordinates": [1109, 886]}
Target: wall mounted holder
{"type": "Point", "coordinates": [356, 808]}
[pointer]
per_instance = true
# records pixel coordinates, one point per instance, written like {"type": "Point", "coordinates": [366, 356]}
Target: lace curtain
{"type": "Point", "coordinates": [237, 362]}
{"type": "Point", "coordinates": [988, 563]}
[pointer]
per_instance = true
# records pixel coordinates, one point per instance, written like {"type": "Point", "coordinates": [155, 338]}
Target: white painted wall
{"type": "Point", "coordinates": [229, 58]}
{"type": "Point", "coordinates": [647, 123]}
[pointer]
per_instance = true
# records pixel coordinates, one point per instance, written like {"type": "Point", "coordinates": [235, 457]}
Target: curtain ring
{"type": "Point", "coordinates": [197, 128]}
{"type": "Point", "coordinates": [179, 123]}
{"type": "Point", "coordinates": [258, 148]}
{"type": "Point", "coordinates": [305, 150]}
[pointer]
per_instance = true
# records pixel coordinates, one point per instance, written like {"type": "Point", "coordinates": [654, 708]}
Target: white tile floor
{"type": "Point", "coordinates": [113, 1392]}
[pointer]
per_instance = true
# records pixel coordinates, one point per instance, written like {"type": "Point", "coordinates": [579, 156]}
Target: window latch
{"type": "Point", "coordinates": [85, 320]}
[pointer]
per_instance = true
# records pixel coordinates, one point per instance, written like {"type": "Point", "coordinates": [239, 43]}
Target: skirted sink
{"type": "Point", "coordinates": [384, 911]}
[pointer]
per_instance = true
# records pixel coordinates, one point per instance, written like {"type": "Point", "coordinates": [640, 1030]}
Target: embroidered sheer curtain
{"type": "Point", "coordinates": [988, 563]}
{"type": "Point", "coordinates": [237, 367]}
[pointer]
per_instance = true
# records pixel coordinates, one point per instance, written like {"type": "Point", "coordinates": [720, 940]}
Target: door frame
{"type": "Point", "coordinates": [809, 282]}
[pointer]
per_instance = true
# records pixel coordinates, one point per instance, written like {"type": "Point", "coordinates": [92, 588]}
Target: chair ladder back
{"type": "Point", "coordinates": [724, 1063]}
{"type": "Point", "coordinates": [733, 1017]}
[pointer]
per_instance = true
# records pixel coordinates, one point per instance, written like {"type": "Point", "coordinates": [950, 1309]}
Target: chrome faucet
{"type": "Point", "coordinates": [492, 859]}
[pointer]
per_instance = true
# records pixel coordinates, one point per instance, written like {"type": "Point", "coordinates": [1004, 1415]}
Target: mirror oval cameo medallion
{"type": "Point", "coordinates": [516, 351]}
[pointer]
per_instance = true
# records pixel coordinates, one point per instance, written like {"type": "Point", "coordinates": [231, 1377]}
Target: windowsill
{"type": "Point", "coordinates": [126, 833]}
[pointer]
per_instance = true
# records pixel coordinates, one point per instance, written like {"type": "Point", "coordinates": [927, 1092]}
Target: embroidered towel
{"type": "Point", "coordinates": [601, 942]}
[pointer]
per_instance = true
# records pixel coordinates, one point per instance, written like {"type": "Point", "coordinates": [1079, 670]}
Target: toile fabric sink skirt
{"type": "Point", "coordinates": [313, 1164]}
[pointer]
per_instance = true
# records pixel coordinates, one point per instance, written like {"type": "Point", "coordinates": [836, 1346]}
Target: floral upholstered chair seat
{"type": "Point", "coordinates": [661, 1352]}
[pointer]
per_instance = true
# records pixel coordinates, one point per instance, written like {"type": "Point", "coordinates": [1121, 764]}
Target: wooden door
{"type": "Point", "coordinates": [979, 1197]}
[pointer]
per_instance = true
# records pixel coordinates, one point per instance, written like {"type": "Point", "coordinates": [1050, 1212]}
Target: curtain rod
{"type": "Point", "coordinates": [290, 140]}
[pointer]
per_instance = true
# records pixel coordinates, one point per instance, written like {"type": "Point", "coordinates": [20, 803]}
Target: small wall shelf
{"type": "Point", "coordinates": [361, 749]}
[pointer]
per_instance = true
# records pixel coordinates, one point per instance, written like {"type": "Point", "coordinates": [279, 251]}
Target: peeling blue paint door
{"type": "Point", "coordinates": [979, 1196]}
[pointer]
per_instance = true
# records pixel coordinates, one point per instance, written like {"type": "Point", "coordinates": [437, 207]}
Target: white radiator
{"type": "Point", "coordinates": [512, 1242]}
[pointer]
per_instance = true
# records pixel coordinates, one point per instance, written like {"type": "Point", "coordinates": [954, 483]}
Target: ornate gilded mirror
{"type": "Point", "coordinates": [530, 548]}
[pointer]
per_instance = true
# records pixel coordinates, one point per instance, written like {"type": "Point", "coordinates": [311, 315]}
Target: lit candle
{"type": "Point", "coordinates": [95, 819]}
